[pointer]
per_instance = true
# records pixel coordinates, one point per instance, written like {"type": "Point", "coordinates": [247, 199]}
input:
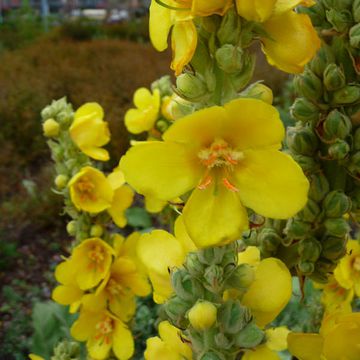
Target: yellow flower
{"type": "Point", "coordinates": [102, 332]}
{"type": "Point", "coordinates": [146, 113]}
{"type": "Point", "coordinates": [202, 315]}
{"type": "Point", "coordinates": [178, 16]}
{"type": "Point", "coordinates": [339, 338]}
{"type": "Point", "coordinates": [51, 128]}
{"type": "Point", "coordinates": [347, 273]}
{"type": "Point", "coordinates": [35, 357]}
{"type": "Point", "coordinates": [292, 41]}
{"type": "Point", "coordinates": [276, 340]}
{"type": "Point", "coordinates": [271, 289]}
{"type": "Point", "coordinates": [160, 251]}
{"type": "Point", "coordinates": [122, 199]}
{"type": "Point", "coordinates": [89, 132]}
{"type": "Point", "coordinates": [229, 155]}
{"type": "Point", "coordinates": [90, 190]}
{"type": "Point", "coordinates": [168, 346]}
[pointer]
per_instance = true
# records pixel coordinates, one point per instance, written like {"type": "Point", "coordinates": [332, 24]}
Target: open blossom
{"type": "Point", "coordinates": [90, 132]}
{"type": "Point", "coordinates": [292, 41]}
{"type": "Point", "coordinates": [177, 17]}
{"type": "Point", "coordinates": [230, 156]}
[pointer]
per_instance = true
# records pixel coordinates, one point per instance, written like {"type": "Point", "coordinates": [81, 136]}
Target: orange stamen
{"type": "Point", "coordinates": [206, 181]}
{"type": "Point", "coordinates": [229, 185]}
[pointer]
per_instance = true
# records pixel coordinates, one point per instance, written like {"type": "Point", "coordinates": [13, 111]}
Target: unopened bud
{"type": "Point", "coordinates": [51, 128]}
{"type": "Point", "coordinates": [309, 249]}
{"type": "Point", "coordinates": [193, 265]}
{"type": "Point", "coordinates": [202, 315]}
{"type": "Point", "coordinates": [337, 227]}
{"type": "Point", "coordinates": [210, 355]}
{"type": "Point", "coordinates": [334, 77]}
{"type": "Point", "coordinates": [347, 95]}
{"type": "Point", "coordinates": [354, 35]}
{"type": "Point", "coordinates": [96, 231]}
{"type": "Point", "coordinates": [162, 125]}
{"type": "Point", "coordinates": [306, 267]}
{"type": "Point", "coordinates": [190, 87]}
{"type": "Point", "coordinates": [339, 150]}
{"type": "Point", "coordinates": [233, 316]}
{"type": "Point", "coordinates": [356, 10]}
{"type": "Point", "coordinates": [307, 163]}
{"type": "Point", "coordinates": [339, 19]}
{"type": "Point", "coordinates": [186, 287]}
{"type": "Point", "coordinates": [334, 248]}
{"type": "Point", "coordinates": [319, 186]}
{"type": "Point", "coordinates": [310, 212]}
{"type": "Point", "coordinates": [296, 229]}
{"type": "Point", "coordinates": [61, 181]}
{"type": "Point", "coordinates": [249, 337]}
{"type": "Point", "coordinates": [259, 91]}
{"type": "Point", "coordinates": [230, 28]}
{"type": "Point", "coordinates": [241, 278]}
{"type": "Point", "coordinates": [304, 110]}
{"type": "Point", "coordinates": [212, 255]}
{"type": "Point", "coordinates": [214, 276]}
{"type": "Point", "coordinates": [325, 266]}
{"type": "Point", "coordinates": [71, 228]}
{"type": "Point", "coordinates": [336, 126]}
{"type": "Point", "coordinates": [229, 58]}
{"type": "Point", "coordinates": [269, 239]}
{"type": "Point", "coordinates": [324, 57]}
{"type": "Point", "coordinates": [336, 204]}
{"type": "Point", "coordinates": [176, 309]}
{"type": "Point", "coordinates": [308, 85]}
{"type": "Point", "coordinates": [301, 140]}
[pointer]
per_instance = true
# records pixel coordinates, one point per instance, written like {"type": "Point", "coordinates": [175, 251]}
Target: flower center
{"type": "Point", "coordinates": [85, 189]}
{"type": "Point", "coordinates": [356, 264]}
{"type": "Point", "coordinates": [219, 155]}
{"type": "Point", "coordinates": [114, 288]}
{"type": "Point", "coordinates": [104, 328]}
{"type": "Point", "coordinates": [97, 256]}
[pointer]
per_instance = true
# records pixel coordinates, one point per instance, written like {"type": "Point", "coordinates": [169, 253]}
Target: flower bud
{"type": "Point", "coordinates": [230, 28]}
{"type": "Point", "coordinates": [176, 309]}
{"type": "Point", "coordinates": [212, 255]}
{"type": "Point", "coordinates": [356, 10]}
{"type": "Point", "coordinates": [249, 337]}
{"type": "Point", "coordinates": [307, 163]}
{"type": "Point", "coordinates": [240, 79]}
{"type": "Point", "coordinates": [259, 91]}
{"type": "Point", "coordinates": [51, 128]}
{"type": "Point", "coordinates": [319, 186]}
{"type": "Point", "coordinates": [67, 350]}
{"type": "Point", "coordinates": [186, 287]}
{"type": "Point", "coordinates": [214, 275]}
{"type": "Point", "coordinates": [241, 278]}
{"type": "Point", "coordinates": [301, 140]}
{"type": "Point", "coordinates": [210, 355]}
{"type": "Point", "coordinates": [357, 139]}
{"type": "Point", "coordinates": [334, 77]}
{"type": "Point", "coordinates": [336, 125]}
{"type": "Point", "coordinates": [324, 56]}
{"type": "Point", "coordinates": [354, 166]}
{"type": "Point", "coordinates": [193, 265]}
{"type": "Point", "coordinates": [309, 249]}
{"type": "Point", "coordinates": [71, 228]}
{"type": "Point", "coordinates": [164, 85]}
{"type": "Point", "coordinates": [354, 35]}
{"type": "Point", "coordinates": [296, 229]}
{"type": "Point", "coordinates": [337, 227]}
{"type": "Point", "coordinates": [190, 87]}
{"type": "Point", "coordinates": [325, 266]}
{"type": "Point", "coordinates": [162, 125]}
{"type": "Point", "coordinates": [339, 150]}
{"type": "Point", "coordinates": [306, 267]}
{"type": "Point", "coordinates": [304, 110]}
{"type": "Point", "coordinates": [334, 248]}
{"type": "Point", "coordinates": [202, 315]}
{"type": "Point", "coordinates": [222, 342]}
{"type": "Point", "coordinates": [269, 239]}
{"type": "Point", "coordinates": [61, 181]}
{"type": "Point", "coordinates": [336, 204]}
{"type": "Point", "coordinates": [310, 212]}
{"type": "Point", "coordinates": [339, 19]}
{"type": "Point", "coordinates": [229, 58]}
{"type": "Point", "coordinates": [347, 95]}
{"type": "Point", "coordinates": [233, 317]}
{"type": "Point", "coordinates": [96, 230]}
{"type": "Point", "coordinates": [308, 85]}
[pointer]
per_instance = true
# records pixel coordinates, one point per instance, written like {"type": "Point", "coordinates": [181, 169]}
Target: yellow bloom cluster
{"type": "Point", "coordinates": [102, 281]}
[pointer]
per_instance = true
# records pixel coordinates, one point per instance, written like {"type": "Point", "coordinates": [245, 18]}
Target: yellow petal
{"type": "Point", "coordinates": [89, 110]}
{"type": "Point", "coordinates": [123, 306]}
{"type": "Point", "coordinates": [271, 277]}
{"type": "Point", "coordinates": [183, 43]}
{"type": "Point", "coordinates": [305, 346]}
{"type": "Point", "coordinates": [156, 349]}
{"type": "Point", "coordinates": [123, 198]}
{"type": "Point", "coordinates": [182, 235]}
{"type": "Point", "coordinates": [250, 256]}
{"type": "Point", "coordinates": [123, 342]}
{"type": "Point", "coordinates": [65, 272]}
{"type": "Point", "coordinates": [253, 123]}
{"type": "Point", "coordinates": [98, 348]}
{"type": "Point", "coordinates": [94, 302]}
{"type": "Point", "coordinates": [154, 205]}
{"type": "Point", "coordinates": [293, 41]}
{"type": "Point", "coordinates": [84, 326]}
{"type": "Point", "coordinates": [210, 7]}
{"type": "Point", "coordinates": [271, 183]}
{"type": "Point", "coordinates": [160, 169]}
{"type": "Point", "coordinates": [214, 216]}
{"type": "Point", "coordinates": [116, 179]}
{"type": "Point", "coordinates": [261, 352]}
{"type": "Point", "coordinates": [283, 6]}
{"type": "Point", "coordinates": [35, 357]}
{"type": "Point", "coordinates": [96, 153]}
{"type": "Point", "coordinates": [276, 338]}
{"type": "Point", "coordinates": [66, 295]}
{"type": "Point", "coordinates": [255, 10]}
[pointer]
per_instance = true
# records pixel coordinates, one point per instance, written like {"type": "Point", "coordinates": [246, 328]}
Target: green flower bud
{"type": "Point", "coordinates": [337, 227]}
{"type": "Point", "coordinates": [319, 277]}
{"type": "Point", "coordinates": [212, 255]}
{"type": "Point", "coordinates": [240, 79]}
{"type": "Point", "coordinates": [296, 229]}
{"type": "Point", "coordinates": [214, 275]}
{"type": "Point", "coordinates": [308, 85]}
{"type": "Point", "coordinates": [193, 264]}
{"type": "Point", "coordinates": [186, 287]}
{"type": "Point", "coordinates": [233, 317]}
{"type": "Point", "coordinates": [306, 267]}
{"type": "Point", "coordinates": [354, 166]}
{"type": "Point", "coordinates": [269, 239]}
{"type": "Point", "coordinates": [357, 139]}
{"type": "Point", "coordinates": [334, 248]}
{"type": "Point", "coordinates": [249, 337]}
{"type": "Point", "coordinates": [336, 204]}
{"type": "Point", "coordinates": [230, 28]}
{"type": "Point", "coordinates": [304, 110]}
{"type": "Point", "coordinates": [323, 57]}
{"type": "Point", "coordinates": [336, 126]}
{"type": "Point", "coordinates": [339, 150]}
{"type": "Point", "coordinates": [324, 266]}
{"type": "Point", "coordinates": [61, 181]}
{"type": "Point", "coordinates": [310, 212]}
{"type": "Point", "coordinates": [162, 125]}
{"type": "Point", "coordinates": [356, 10]}
{"type": "Point", "coordinates": [301, 140]}
{"type": "Point", "coordinates": [354, 35]}
{"type": "Point", "coordinates": [347, 95]}
{"type": "Point", "coordinates": [259, 91]}
{"type": "Point", "coordinates": [96, 230]}
{"type": "Point", "coordinates": [229, 58]}
{"type": "Point", "coordinates": [337, 5]}
{"type": "Point", "coordinates": [334, 77]}
{"type": "Point", "coordinates": [319, 186]}
{"type": "Point", "coordinates": [202, 315]}
{"type": "Point", "coordinates": [241, 278]}
{"type": "Point", "coordinates": [210, 355]}
{"type": "Point", "coordinates": [176, 309]}
{"type": "Point", "coordinates": [355, 198]}
{"type": "Point", "coordinates": [67, 350]}
{"type": "Point", "coordinates": [190, 87]}
{"type": "Point", "coordinates": [71, 228]}
{"type": "Point", "coordinates": [222, 341]}
{"type": "Point", "coordinates": [307, 163]}
{"type": "Point", "coordinates": [51, 128]}
{"type": "Point", "coordinates": [164, 85]}
{"type": "Point", "coordinates": [309, 250]}
{"type": "Point", "coordinates": [339, 19]}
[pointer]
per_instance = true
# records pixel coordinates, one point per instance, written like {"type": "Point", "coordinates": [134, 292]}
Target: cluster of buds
{"type": "Point", "coordinates": [324, 141]}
